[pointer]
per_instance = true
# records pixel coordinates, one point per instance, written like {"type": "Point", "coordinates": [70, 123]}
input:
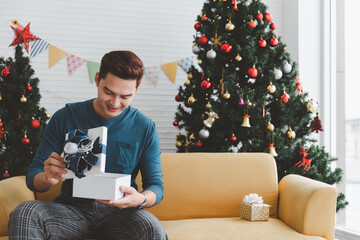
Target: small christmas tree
{"type": "Point", "coordinates": [22, 121]}
{"type": "Point", "coordinates": [246, 97]}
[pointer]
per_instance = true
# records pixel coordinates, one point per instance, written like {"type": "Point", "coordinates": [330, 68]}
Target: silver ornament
{"type": "Point", "coordinates": [211, 54]}
{"type": "Point", "coordinates": [204, 133]}
{"type": "Point", "coordinates": [277, 74]}
{"type": "Point", "coordinates": [196, 49]}
{"type": "Point", "coordinates": [287, 67]}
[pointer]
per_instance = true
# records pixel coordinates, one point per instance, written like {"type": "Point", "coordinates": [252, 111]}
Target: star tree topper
{"type": "Point", "coordinates": [23, 37]}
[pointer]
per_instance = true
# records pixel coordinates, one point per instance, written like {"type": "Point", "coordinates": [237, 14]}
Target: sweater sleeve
{"type": "Point", "coordinates": [150, 164]}
{"type": "Point", "coordinates": [52, 141]}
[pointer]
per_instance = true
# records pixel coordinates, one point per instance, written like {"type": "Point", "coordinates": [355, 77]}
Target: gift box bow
{"type": "Point", "coordinates": [79, 152]}
{"type": "Point", "coordinates": [254, 199]}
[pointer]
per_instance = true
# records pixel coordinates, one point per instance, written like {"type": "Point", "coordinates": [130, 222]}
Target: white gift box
{"type": "Point", "coordinates": [93, 134]}
{"type": "Point", "coordinates": [104, 186]}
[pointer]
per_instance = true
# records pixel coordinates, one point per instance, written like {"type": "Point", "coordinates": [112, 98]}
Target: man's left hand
{"type": "Point", "coordinates": [131, 198]}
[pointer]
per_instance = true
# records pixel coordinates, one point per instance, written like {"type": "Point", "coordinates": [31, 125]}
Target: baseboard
{"type": "Point", "coordinates": [346, 234]}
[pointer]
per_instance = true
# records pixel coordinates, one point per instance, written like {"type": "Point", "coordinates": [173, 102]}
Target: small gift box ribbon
{"type": "Point", "coordinates": [254, 199]}
{"type": "Point", "coordinates": [80, 152]}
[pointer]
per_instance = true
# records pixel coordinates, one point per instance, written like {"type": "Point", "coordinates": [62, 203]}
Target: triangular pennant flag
{"type": "Point", "coordinates": [93, 68]}
{"type": "Point", "coordinates": [55, 55]}
{"type": "Point", "coordinates": [152, 74]}
{"type": "Point", "coordinates": [186, 63]}
{"type": "Point", "coordinates": [170, 70]}
{"type": "Point", "coordinates": [38, 47]}
{"type": "Point", "coordinates": [73, 63]}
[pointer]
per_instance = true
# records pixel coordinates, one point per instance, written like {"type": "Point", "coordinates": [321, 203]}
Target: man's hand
{"type": "Point", "coordinates": [54, 167]}
{"type": "Point", "coordinates": [132, 198]}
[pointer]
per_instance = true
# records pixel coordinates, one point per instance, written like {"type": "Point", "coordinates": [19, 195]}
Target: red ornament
{"type": "Point", "coordinates": [259, 16]}
{"type": "Point", "coordinates": [204, 18]}
{"type": "Point", "coordinates": [202, 76]}
{"type": "Point", "coordinates": [2, 131]}
{"type": "Point", "coordinates": [25, 141]}
{"type": "Point", "coordinates": [205, 85]}
{"type": "Point", "coordinates": [262, 42]}
{"type": "Point", "coordinates": [298, 88]}
{"type": "Point", "coordinates": [177, 98]}
{"type": "Point", "coordinates": [268, 17]}
{"type": "Point", "coordinates": [273, 26]}
{"type": "Point", "coordinates": [1, 124]}
{"type": "Point", "coordinates": [274, 42]}
{"type": "Point", "coordinates": [23, 36]}
{"type": "Point", "coordinates": [29, 87]}
{"type": "Point", "coordinates": [285, 97]}
{"type": "Point", "coordinates": [233, 138]}
{"type": "Point", "coordinates": [252, 72]}
{"type": "Point", "coordinates": [197, 26]}
{"type": "Point", "coordinates": [175, 123]}
{"type": "Point", "coordinates": [199, 144]}
{"type": "Point", "coordinates": [6, 174]}
{"type": "Point", "coordinates": [186, 104]}
{"type": "Point", "coordinates": [226, 47]}
{"type": "Point", "coordinates": [235, 5]}
{"type": "Point", "coordinates": [305, 161]}
{"type": "Point", "coordinates": [203, 41]}
{"type": "Point", "coordinates": [252, 24]}
{"type": "Point", "coordinates": [317, 124]}
{"type": "Point", "coordinates": [5, 71]}
{"type": "Point", "coordinates": [35, 124]}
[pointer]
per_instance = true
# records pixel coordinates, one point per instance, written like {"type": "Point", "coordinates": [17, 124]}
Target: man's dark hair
{"type": "Point", "coordinates": [123, 64]}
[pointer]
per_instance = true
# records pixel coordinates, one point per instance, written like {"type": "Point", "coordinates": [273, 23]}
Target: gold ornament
{"type": "Point", "coordinates": [249, 103]}
{"type": "Point", "coordinates": [290, 133]}
{"type": "Point", "coordinates": [178, 144]}
{"type": "Point", "coordinates": [191, 100]}
{"type": "Point", "coordinates": [311, 106]}
{"type": "Point", "coordinates": [23, 99]}
{"type": "Point", "coordinates": [216, 40]}
{"type": "Point", "coordinates": [187, 82]}
{"type": "Point", "coordinates": [0, 96]}
{"type": "Point", "coordinates": [190, 76]}
{"type": "Point", "coordinates": [271, 88]}
{"type": "Point", "coordinates": [199, 62]}
{"type": "Point", "coordinates": [270, 127]}
{"type": "Point", "coordinates": [226, 95]}
{"type": "Point", "coordinates": [192, 137]}
{"type": "Point", "coordinates": [208, 105]}
{"type": "Point", "coordinates": [48, 116]}
{"type": "Point", "coordinates": [238, 58]}
{"type": "Point", "coordinates": [246, 122]}
{"type": "Point", "coordinates": [229, 26]}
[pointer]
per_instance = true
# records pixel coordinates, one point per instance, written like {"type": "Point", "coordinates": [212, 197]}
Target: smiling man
{"type": "Point", "coordinates": [132, 145]}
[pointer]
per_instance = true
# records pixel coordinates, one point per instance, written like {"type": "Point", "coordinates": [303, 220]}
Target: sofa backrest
{"type": "Point", "coordinates": [205, 185]}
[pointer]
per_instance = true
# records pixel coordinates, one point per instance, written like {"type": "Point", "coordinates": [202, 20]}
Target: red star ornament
{"type": "Point", "coordinates": [23, 36]}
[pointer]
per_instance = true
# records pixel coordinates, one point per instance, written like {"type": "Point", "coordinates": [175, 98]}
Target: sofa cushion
{"type": "Point", "coordinates": [232, 228]}
{"type": "Point", "coordinates": [202, 185]}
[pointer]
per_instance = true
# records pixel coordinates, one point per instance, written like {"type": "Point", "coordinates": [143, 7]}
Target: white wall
{"type": "Point", "coordinates": [159, 31]}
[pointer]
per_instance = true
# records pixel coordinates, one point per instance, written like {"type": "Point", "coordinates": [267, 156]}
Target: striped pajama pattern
{"type": "Point", "coordinates": [81, 220]}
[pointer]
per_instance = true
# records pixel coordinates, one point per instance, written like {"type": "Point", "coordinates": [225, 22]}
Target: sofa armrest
{"type": "Point", "coordinates": [308, 206]}
{"type": "Point", "coordinates": [13, 191]}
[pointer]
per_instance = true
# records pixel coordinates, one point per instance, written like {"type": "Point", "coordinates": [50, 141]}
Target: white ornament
{"type": "Point", "coordinates": [277, 74]}
{"type": "Point", "coordinates": [287, 67]}
{"type": "Point", "coordinates": [196, 49]}
{"type": "Point", "coordinates": [211, 54]}
{"type": "Point", "coordinates": [204, 133]}
{"type": "Point", "coordinates": [71, 148]}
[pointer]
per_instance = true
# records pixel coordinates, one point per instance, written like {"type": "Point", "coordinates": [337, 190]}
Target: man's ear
{"type": "Point", "coordinates": [97, 79]}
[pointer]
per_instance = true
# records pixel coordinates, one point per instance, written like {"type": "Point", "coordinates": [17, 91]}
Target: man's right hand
{"type": "Point", "coordinates": [54, 168]}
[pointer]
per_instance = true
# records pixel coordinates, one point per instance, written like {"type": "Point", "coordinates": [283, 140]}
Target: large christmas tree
{"type": "Point", "coordinates": [22, 121]}
{"type": "Point", "coordinates": [246, 96]}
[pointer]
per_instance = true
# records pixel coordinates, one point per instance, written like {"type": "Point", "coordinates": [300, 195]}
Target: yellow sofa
{"type": "Point", "coordinates": [203, 193]}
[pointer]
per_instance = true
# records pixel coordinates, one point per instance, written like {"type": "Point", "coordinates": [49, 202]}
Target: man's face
{"type": "Point", "coordinates": [114, 95]}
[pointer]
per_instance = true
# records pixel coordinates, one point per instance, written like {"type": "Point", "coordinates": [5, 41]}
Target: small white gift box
{"type": "Point", "coordinates": [105, 186]}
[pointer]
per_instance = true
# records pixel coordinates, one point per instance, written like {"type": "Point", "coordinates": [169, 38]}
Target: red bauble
{"type": "Point", "coordinates": [205, 85]}
{"type": "Point", "coordinates": [197, 26]}
{"type": "Point", "coordinates": [285, 97]}
{"type": "Point", "coordinates": [204, 18]}
{"type": "Point", "coordinates": [226, 47]}
{"type": "Point", "coordinates": [177, 98]}
{"type": "Point", "coordinates": [259, 16]}
{"type": "Point", "coordinates": [273, 26]}
{"type": "Point", "coordinates": [252, 72]}
{"type": "Point", "coordinates": [1, 124]}
{"type": "Point", "coordinates": [199, 144]}
{"type": "Point", "coordinates": [25, 141]}
{"type": "Point", "coordinates": [233, 138]}
{"type": "Point", "coordinates": [186, 104]}
{"type": "Point", "coordinates": [175, 123]}
{"type": "Point", "coordinates": [252, 24]}
{"type": "Point", "coordinates": [6, 174]}
{"type": "Point", "coordinates": [35, 124]}
{"type": "Point", "coordinates": [5, 71]}
{"type": "Point", "coordinates": [203, 41]}
{"type": "Point", "coordinates": [274, 42]}
{"type": "Point", "coordinates": [268, 17]}
{"type": "Point", "coordinates": [262, 42]}
{"type": "Point", "coordinates": [29, 88]}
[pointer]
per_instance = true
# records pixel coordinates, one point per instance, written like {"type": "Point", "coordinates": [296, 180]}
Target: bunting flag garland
{"type": "Point", "coordinates": [55, 55]}
{"type": "Point", "coordinates": [38, 47]}
{"type": "Point", "coordinates": [186, 63]}
{"type": "Point", "coordinates": [73, 63]}
{"type": "Point", "coordinates": [152, 74]}
{"type": "Point", "coordinates": [170, 70]}
{"type": "Point", "coordinates": [93, 68]}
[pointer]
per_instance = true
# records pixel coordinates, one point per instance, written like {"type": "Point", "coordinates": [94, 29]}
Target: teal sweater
{"type": "Point", "coordinates": [132, 145]}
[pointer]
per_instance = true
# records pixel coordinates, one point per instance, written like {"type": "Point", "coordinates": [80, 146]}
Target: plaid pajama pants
{"type": "Point", "coordinates": [81, 220]}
